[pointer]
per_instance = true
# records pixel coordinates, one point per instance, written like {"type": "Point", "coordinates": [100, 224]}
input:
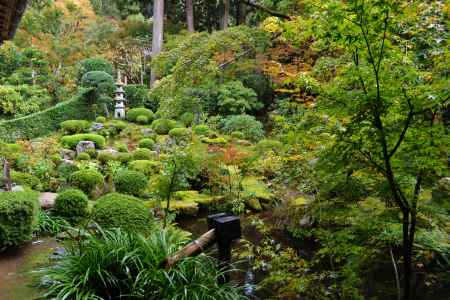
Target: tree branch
{"type": "Point", "coordinates": [405, 128]}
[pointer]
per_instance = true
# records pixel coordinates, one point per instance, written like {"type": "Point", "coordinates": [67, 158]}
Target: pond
{"type": "Point", "coordinates": [16, 264]}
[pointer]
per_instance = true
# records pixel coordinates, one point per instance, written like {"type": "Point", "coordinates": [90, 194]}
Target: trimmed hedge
{"type": "Point", "coordinates": [44, 122]}
{"type": "Point", "coordinates": [134, 113]}
{"type": "Point", "coordinates": [146, 167]}
{"type": "Point", "coordinates": [18, 216]}
{"type": "Point", "coordinates": [130, 182]}
{"type": "Point", "coordinates": [147, 143]}
{"type": "Point", "coordinates": [122, 211]}
{"type": "Point", "coordinates": [163, 126]}
{"type": "Point", "coordinates": [71, 141]}
{"type": "Point", "coordinates": [87, 180]}
{"type": "Point", "coordinates": [71, 204]}
{"type": "Point", "coordinates": [75, 126]}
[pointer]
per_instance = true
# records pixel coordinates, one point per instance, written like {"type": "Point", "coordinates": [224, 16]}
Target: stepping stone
{"type": "Point", "coordinates": [47, 200]}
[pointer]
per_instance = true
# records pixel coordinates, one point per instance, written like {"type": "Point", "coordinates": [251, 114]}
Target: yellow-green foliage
{"type": "Point", "coordinates": [203, 200]}
{"type": "Point", "coordinates": [146, 167]}
{"type": "Point", "coordinates": [254, 187]}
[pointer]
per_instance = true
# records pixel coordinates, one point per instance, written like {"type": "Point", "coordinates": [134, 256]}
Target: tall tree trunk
{"type": "Point", "coordinates": [226, 14]}
{"type": "Point", "coordinates": [158, 33]}
{"type": "Point", "coordinates": [240, 12]}
{"type": "Point", "coordinates": [190, 16]}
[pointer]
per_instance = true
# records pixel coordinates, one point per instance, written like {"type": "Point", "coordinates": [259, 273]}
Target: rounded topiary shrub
{"type": "Point", "coordinates": [105, 156]}
{"type": "Point", "coordinates": [18, 216]}
{"type": "Point", "coordinates": [180, 134]}
{"type": "Point", "coordinates": [124, 157]}
{"type": "Point", "coordinates": [142, 154]}
{"type": "Point", "coordinates": [147, 143]}
{"type": "Point", "coordinates": [26, 179]}
{"type": "Point", "coordinates": [142, 120]}
{"type": "Point", "coordinates": [146, 167]}
{"type": "Point", "coordinates": [100, 119]}
{"type": "Point", "coordinates": [134, 113]}
{"type": "Point", "coordinates": [237, 135]}
{"type": "Point", "coordinates": [187, 118]}
{"type": "Point", "coordinates": [86, 180]}
{"type": "Point", "coordinates": [75, 126]}
{"type": "Point", "coordinates": [94, 64]}
{"type": "Point", "coordinates": [201, 129]}
{"type": "Point", "coordinates": [71, 204]}
{"type": "Point", "coordinates": [130, 182]}
{"type": "Point", "coordinates": [83, 156]}
{"type": "Point", "coordinates": [248, 125]}
{"type": "Point", "coordinates": [122, 211]}
{"type": "Point", "coordinates": [163, 126]}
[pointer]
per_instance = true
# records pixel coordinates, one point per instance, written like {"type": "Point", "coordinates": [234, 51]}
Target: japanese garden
{"type": "Point", "coordinates": [224, 149]}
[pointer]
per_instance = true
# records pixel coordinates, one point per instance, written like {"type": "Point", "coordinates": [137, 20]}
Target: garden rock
{"type": "Point", "coordinates": [17, 188]}
{"type": "Point", "coordinates": [67, 154]}
{"type": "Point", "coordinates": [97, 126]}
{"type": "Point", "coordinates": [83, 146]}
{"type": "Point", "coordinates": [147, 132]}
{"type": "Point", "coordinates": [47, 200]}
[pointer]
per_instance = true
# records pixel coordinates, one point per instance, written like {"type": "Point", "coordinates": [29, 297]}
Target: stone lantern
{"type": "Point", "coordinates": [119, 109]}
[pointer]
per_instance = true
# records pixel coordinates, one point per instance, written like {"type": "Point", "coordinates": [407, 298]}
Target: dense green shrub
{"type": "Point", "coordinates": [71, 141]}
{"type": "Point", "coordinates": [142, 154]}
{"type": "Point", "coordinates": [146, 167]}
{"type": "Point", "coordinates": [237, 135]}
{"type": "Point", "coordinates": [187, 118]}
{"type": "Point", "coordinates": [248, 125]}
{"type": "Point", "coordinates": [72, 205]}
{"type": "Point", "coordinates": [201, 129]}
{"type": "Point", "coordinates": [137, 95]}
{"type": "Point", "coordinates": [180, 134]}
{"type": "Point", "coordinates": [65, 170]}
{"type": "Point", "coordinates": [115, 127]}
{"type": "Point", "coordinates": [142, 120]}
{"type": "Point", "coordinates": [122, 211]}
{"type": "Point", "coordinates": [124, 157]}
{"type": "Point", "coordinates": [163, 126]}
{"type": "Point", "coordinates": [130, 182]}
{"type": "Point", "coordinates": [26, 179]}
{"type": "Point", "coordinates": [75, 126]}
{"type": "Point", "coordinates": [134, 113]}
{"type": "Point", "coordinates": [22, 100]}
{"type": "Point", "coordinates": [122, 147]}
{"type": "Point", "coordinates": [44, 122]}
{"type": "Point", "coordinates": [147, 143]}
{"type": "Point", "coordinates": [234, 98]}
{"type": "Point", "coordinates": [106, 156]}
{"type": "Point", "coordinates": [86, 180]}
{"type": "Point", "coordinates": [100, 119]}
{"type": "Point", "coordinates": [83, 156]}
{"type": "Point", "coordinates": [266, 145]}
{"type": "Point", "coordinates": [94, 64]}
{"type": "Point", "coordinates": [18, 216]}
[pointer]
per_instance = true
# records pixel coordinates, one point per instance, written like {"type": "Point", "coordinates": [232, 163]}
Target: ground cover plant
{"type": "Point", "coordinates": [322, 124]}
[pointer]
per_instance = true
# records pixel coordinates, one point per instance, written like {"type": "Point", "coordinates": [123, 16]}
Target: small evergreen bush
{"type": "Point", "coordinates": [83, 156]}
{"type": "Point", "coordinates": [134, 113]}
{"type": "Point", "coordinates": [75, 126]}
{"type": "Point", "coordinates": [180, 134]}
{"type": "Point", "coordinates": [72, 205]}
{"type": "Point", "coordinates": [122, 211]}
{"type": "Point", "coordinates": [163, 126]}
{"type": "Point", "coordinates": [18, 216]}
{"type": "Point", "coordinates": [266, 145]}
{"type": "Point", "coordinates": [147, 143]}
{"type": "Point", "coordinates": [248, 125]}
{"type": "Point", "coordinates": [237, 135]}
{"type": "Point", "coordinates": [26, 179]}
{"type": "Point", "coordinates": [94, 64]}
{"type": "Point", "coordinates": [124, 157]}
{"type": "Point", "coordinates": [86, 180]}
{"type": "Point", "coordinates": [71, 141]}
{"type": "Point", "coordinates": [146, 167]}
{"type": "Point", "coordinates": [142, 120]}
{"type": "Point", "coordinates": [105, 156]}
{"type": "Point", "coordinates": [142, 154]}
{"type": "Point", "coordinates": [201, 129]}
{"type": "Point", "coordinates": [100, 119]}
{"type": "Point", "coordinates": [130, 182]}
